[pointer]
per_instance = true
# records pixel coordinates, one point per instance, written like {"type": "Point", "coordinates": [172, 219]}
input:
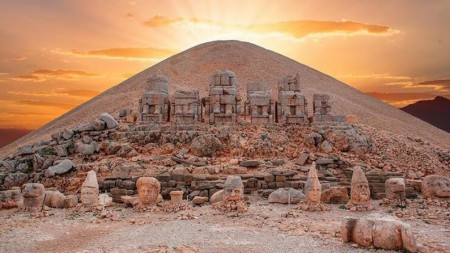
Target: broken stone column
{"type": "Point", "coordinates": [322, 108]}
{"type": "Point", "coordinates": [223, 105]}
{"type": "Point", "coordinates": [259, 107]}
{"type": "Point", "coordinates": [186, 107]}
{"type": "Point", "coordinates": [154, 106]}
{"type": "Point", "coordinates": [292, 107]}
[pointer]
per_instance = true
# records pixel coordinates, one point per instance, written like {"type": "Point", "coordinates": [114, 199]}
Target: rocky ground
{"type": "Point", "coordinates": [264, 228]}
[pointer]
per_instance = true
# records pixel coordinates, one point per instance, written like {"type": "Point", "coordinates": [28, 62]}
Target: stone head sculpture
{"type": "Point", "coordinates": [233, 188]}
{"type": "Point", "coordinates": [313, 189]}
{"type": "Point", "coordinates": [395, 188]}
{"type": "Point", "coordinates": [360, 192]}
{"type": "Point", "coordinates": [436, 186]}
{"type": "Point", "coordinates": [89, 190]}
{"type": "Point", "coordinates": [148, 190]}
{"type": "Point", "coordinates": [33, 196]}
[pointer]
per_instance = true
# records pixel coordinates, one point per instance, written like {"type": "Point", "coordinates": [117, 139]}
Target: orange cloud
{"type": "Point", "coordinates": [442, 84]}
{"type": "Point", "coordinates": [296, 28]}
{"type": "Point", "coordinates": [125, 53]}
{"type": "Point", "coordinates": [63, 106]}
{"type": "Point", "coordinates": [45, 74]}
{"type": "Point", "coordinates": [19, 58]}
{"type": "Point", "coordinates": [303, 28]}
{"type": "Point", "coordinates": [58, 92]}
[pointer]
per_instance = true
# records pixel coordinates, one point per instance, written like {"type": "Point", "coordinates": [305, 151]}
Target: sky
{"type": "Point", "coordinates": [57, 54]}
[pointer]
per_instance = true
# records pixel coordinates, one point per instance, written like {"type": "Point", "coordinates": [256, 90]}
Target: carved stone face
{"type": "Point", "coordinates": [234, 194]}
{"type": "Point", "coordinates": [360, 193]}
{"type": "Point", "coordinates": [89, 196]}
{"type": "Point", "coordinates": [313, 194]}
{"type": "Point", "coordinates": [147, 194]}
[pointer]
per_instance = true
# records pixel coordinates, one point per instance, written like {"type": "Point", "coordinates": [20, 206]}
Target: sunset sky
{"type": "Point", "coordinates": [56, 54]}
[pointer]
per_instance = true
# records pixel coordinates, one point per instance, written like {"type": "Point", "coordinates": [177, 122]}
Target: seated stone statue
{"type": "Point", "coordinates": [233, 199]}
{"type": "Point", "coordinates": [360, 192]}
{"type": "Point", "coordinates": [33, 196]}
{"type": "Point", "coordinates": [90, 191]}
{"type": "Point", "coordinates": [313, 192]}
{"type": "Point", "coordinates": [435, 186]}
{"type": "Point", "coordinates": [148, 192]}
{"type": "Point", "coordinates": [384, 232]}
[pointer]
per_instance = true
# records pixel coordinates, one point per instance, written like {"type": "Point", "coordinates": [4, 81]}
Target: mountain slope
{"type": "Point", "coordinates": [436, 112]}
{"type": "Point", "coordinates": [190, 69]}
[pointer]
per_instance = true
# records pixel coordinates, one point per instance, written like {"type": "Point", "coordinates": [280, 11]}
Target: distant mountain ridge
{"type": "Point", "coordinates": [436, 112]}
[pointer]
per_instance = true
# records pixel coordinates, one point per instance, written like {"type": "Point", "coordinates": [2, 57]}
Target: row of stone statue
{"type": "Point", "coordinates": [223, 105]}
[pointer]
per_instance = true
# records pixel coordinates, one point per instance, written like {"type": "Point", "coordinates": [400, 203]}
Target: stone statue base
{"type": "Point", "coordinates": [313, 207]}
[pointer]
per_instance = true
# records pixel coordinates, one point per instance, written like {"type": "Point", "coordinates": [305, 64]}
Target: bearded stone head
{"type": "Point", "coordinates": [313, 188]}
{"type": "Point", "coordinates": [233, 188]}
{"type": "Point", "coordinates": [90, 190]}
{"type": "Point", "coordinates": [360, 191]}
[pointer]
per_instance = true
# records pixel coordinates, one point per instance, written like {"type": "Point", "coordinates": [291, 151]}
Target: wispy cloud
{"type": "Point", "coordinates": [297, 29]}
{"type": "Point", "coordinates": [441, 84]}
{"type": "Point", "coordinates": [63, 106]}
{"type": "Point", "coordinates": [19, 58]}
{"type": "Point", "coordinates": [45, 74]}
{"type": "Point", "coordinates": [375, 76]}
{"type": "Point", "coordinates": [58, 92]}
{"type": "Point", "coordinates": [147, 53]}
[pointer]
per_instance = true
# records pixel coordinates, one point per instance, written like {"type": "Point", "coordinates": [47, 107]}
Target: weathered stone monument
{"type": "Point", "coordinates": [233, 199]}
{"type": "Point", "coordinates": [313, 192]}
{"type": "Point", "coordinates": [186, 107]}
{"type": "Point", "coordinates": [90, 190]}
{"type": "Point", "coordinates": [382, 232]}
{"type": "Point", "coordinates": [259, 107]}
{"type": "Point", "coordinates": [154, 106]}
{"type": "Point", "coordinates": [360, 192]}
{"type": "Point", "coordinates": [292, 107]}
{"type": "Point", "coordinates": [395, 188]}
{"type": "Point", "coordinates": [322, 108]}
{"type": "Point", "coordinates": [224, 103]}
{"type": "Point", "coordinates": [33, 196]}
{"type": "Point", "coordinates": [176, 203]}
{"type": "Point", "coordinates": [148, 191]}
{"type": "Point", "coordinates": [436, 186]}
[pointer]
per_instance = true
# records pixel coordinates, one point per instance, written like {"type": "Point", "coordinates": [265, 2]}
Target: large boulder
{"type": "Point", "coordinates": [435, 186]}
{"type": "Point", "coordinates": [205, 145]}
{"type": "Point", "coordinates": [283, 195]}
{"type": "Point", "coordinates": [61, 168]}
{"type": "Point", "coordinates": [109, 120]}
{"type": "Point", "coordinates": [14, 179]}
{"type": "Point", "coordinates": [337, 194]}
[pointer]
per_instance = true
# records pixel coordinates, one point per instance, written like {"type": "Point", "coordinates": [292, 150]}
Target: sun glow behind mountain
{"type": "Point", "coordinates": [57, 55]}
